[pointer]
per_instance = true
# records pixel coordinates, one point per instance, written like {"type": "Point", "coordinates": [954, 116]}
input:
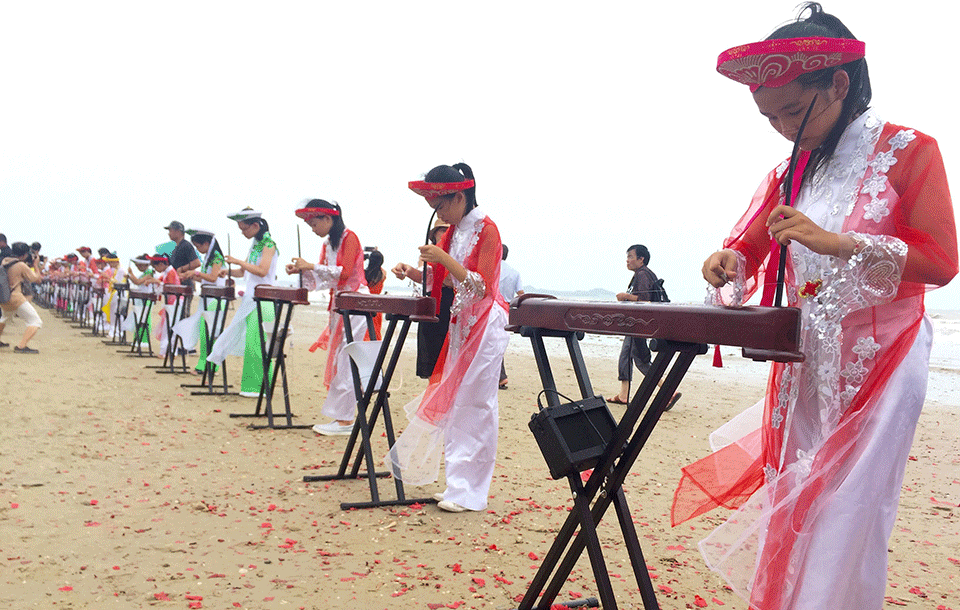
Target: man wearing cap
{"type": "Point", "coordinates": [183, 258]}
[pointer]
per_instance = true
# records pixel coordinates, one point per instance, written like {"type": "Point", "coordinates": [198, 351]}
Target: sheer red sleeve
{"type": "Point", "coordinates": [350, 253]}
{"type": "Point", "coordinates": [924, 217]}
{"type": "Point", "coordinates": [488, 258]}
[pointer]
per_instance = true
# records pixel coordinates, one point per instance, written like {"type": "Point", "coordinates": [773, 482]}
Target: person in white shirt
{"type": "Point", "coordinates": [510, 287]}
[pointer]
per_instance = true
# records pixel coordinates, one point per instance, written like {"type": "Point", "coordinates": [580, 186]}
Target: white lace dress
{"type": "Point", "coordinates": [833, 488]}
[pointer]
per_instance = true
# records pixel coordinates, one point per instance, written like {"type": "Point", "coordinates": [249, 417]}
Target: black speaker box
{"type": "Point", "coordinates": [573, 436]}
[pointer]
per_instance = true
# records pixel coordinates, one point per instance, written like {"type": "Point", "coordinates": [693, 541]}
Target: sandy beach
{"type": "Point", "coordinates": [120, 489]}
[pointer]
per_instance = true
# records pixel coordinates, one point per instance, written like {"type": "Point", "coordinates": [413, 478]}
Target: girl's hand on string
{"type": "Point", "coordinates": [401, 271]}
{"type": "Point", "coordinates": [299, 265]}
{"type": "Point", "coordinates": [433, 254]}
{"type": "Point", "coordinates": [720, 268]}
{"type": "Point", "coordinates": [232, 260]}
{"type": "Point", "coordinates": [787, 225]}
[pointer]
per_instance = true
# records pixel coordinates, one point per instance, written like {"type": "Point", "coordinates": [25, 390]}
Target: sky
{"type": "Point", "coordinates": [589, 126]}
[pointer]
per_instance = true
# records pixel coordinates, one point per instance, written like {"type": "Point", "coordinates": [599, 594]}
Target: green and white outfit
{"type": "Point", "coordinates": [190, 329]}
{"type": "Point", "coordinates": [242, 336]}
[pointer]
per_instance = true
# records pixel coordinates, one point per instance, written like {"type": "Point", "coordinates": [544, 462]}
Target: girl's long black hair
{"type": "Point", "coordinates": [458, 172]}
{"type": "Point", "coordinates": [374, 270]}
{"type": "Point", "coordinates": [336, 231]}
{"type": "Point", "coordinates": [203, 238]}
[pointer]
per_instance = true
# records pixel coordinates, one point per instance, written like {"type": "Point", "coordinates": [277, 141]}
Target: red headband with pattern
{"type": "Point", "coordinates": [308, 213]}
{"type": "Point", "coordinates": [774, 63]}
{"type": "Point", "coordinates": [438, 189]}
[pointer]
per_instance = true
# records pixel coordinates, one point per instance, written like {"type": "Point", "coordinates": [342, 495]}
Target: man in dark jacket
{"type": "Point", "coordinates": [643, 287]}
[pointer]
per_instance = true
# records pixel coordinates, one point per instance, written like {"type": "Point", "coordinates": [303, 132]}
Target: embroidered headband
{"type": "Point", "coordinates": [245, 215]}
{"type": "Point", "coordinates": [142, 260]}
{"type": "Point", "coordinates": [777, 62]}
{"type": "Point", "coordinates": [308, 213]}
{"type": "Point", "coordinates": [438, 189]}
{"type": "Point", "coordinates": [160, 258]}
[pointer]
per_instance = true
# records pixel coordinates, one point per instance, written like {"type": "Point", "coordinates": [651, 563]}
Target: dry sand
{"type": "Point", "coordinates": [119, 489]}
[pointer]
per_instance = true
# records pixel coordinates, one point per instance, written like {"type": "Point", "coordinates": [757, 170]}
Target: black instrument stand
{"type": "Point", "coordinates": [180, 295]}
{"type": "Point", "coordinates": [363, 425]}
{"type": "Point", "coordinates": [605, 485]}
{"type": "Point", "coordinates": [96, 313]}
{"type": "Point", "coordinates": [282, 300]}
{"type": "Point", "coordinates": [222, 296]}
{"type": "Point", "coordinates": [141, 323]}
{"type": "Point", "coordinates": [119, 335]}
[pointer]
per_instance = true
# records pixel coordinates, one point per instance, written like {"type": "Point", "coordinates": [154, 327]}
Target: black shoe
{"type": "Point", "coordinates": [2, 344]}
{"type": "Point", "coordinates": [26, 350]}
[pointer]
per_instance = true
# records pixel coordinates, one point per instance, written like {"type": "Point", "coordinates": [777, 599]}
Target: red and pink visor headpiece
{"type": "Point", "coordinates": [438, 189]}
{"type": "Point", "coordinates": [308, 213]}
{"type": "Point", "coordinates": [774, 63]}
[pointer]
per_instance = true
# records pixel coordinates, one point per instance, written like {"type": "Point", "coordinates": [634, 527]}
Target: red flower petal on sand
{"type": "Point", "coordinates": [532, 556]}
{"type": "Point", "coordinates": [665, 589]}
{"type": "Point", "coordinates": [699, 602]}
{"type": "Point", "coordinates": [479, 581]}
{"type": "Point", "coordinates": [66, 588]}
{"type": "Point", "coordinates": [717, 601]}
{"type": "Point", "coordinates": [456, 568]}
{"type": "Point", "coordinates": [194, 597]}
{"type": "Point", "coordinates": [161, 597]}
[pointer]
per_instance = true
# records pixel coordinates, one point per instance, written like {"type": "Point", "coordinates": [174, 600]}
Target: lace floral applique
{"type": "Point", "coordinates": [787, 395]}
{"type": "Point", "coordinates": [472, 289]}
{"type": "Point", "coordinates": [876, 183]}
{"type": "Point", "coordinates": [460, 332]}
{"type": "Point", "coordinates": [468, 292]}
{"type": "Point", "coordinates": [804, 462]}
{"type": "Point", "coordinates": [322, 277]}
{"type": "Point", "coordinates": [855, 372]}
{"type": "Point", "coordinates": [903, 137]}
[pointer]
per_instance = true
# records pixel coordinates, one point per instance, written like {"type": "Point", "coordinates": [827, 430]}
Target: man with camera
{"type": "Point", "coordinates": [21, 268]}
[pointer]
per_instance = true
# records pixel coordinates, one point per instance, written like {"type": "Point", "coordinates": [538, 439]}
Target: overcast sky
{"type": "Point", "coordinates": [590, 126]}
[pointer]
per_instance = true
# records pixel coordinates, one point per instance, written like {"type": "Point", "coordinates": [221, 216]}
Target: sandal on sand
{"type": "Point", "coordinates": [503, 386]}
{"type": "Point", "coordinates": [673, 401]}
{"type": "Point", "coordinates": [616, 400]}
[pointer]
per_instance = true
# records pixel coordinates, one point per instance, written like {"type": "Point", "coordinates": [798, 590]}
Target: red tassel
{"type": "Point", "coordinates": [717, 361]}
